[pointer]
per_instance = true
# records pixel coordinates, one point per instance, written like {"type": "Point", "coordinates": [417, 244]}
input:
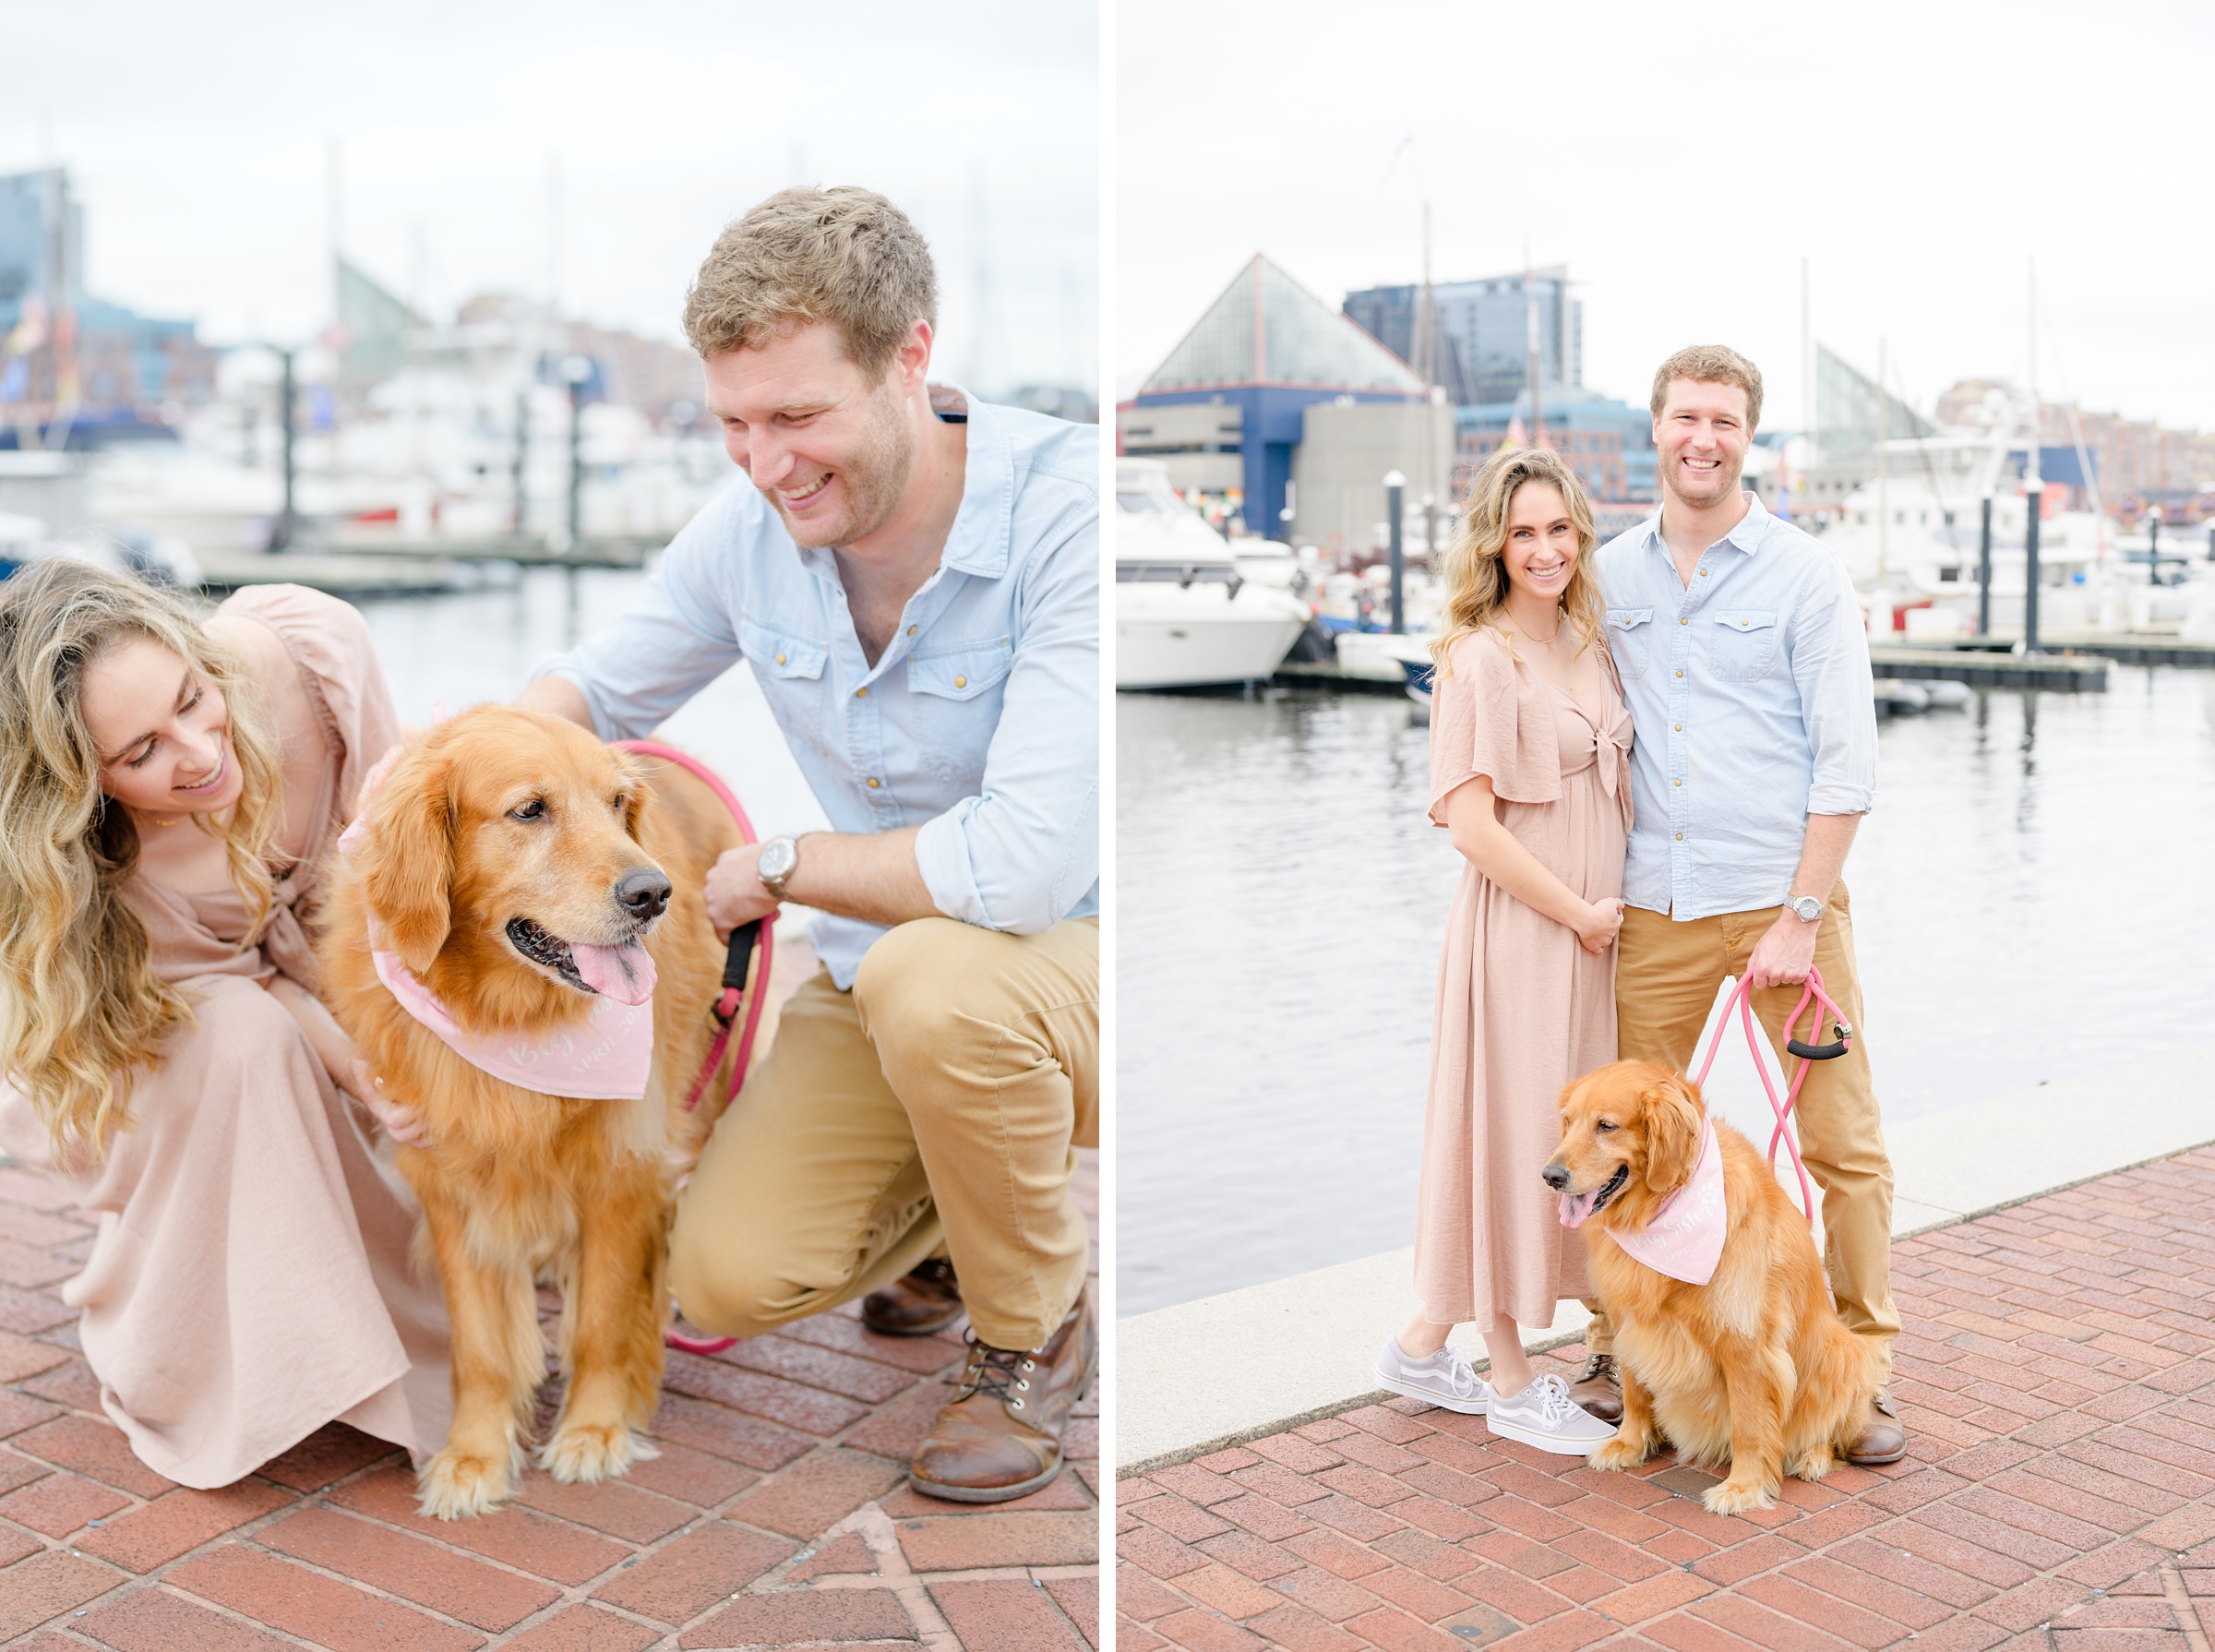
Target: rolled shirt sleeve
{"type": "Point", "coordinates": [1830, 664]}
{"type": "Point", "coordinates": [1022, 854]}
{"type": "Point", "coordinates": [676, 640]}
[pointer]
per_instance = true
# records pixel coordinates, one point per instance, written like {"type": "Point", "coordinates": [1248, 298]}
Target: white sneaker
{"type": "Point", "coordinates": [1543, 1415]}
{"type": "Point", "coordinates": [1445, 1379]}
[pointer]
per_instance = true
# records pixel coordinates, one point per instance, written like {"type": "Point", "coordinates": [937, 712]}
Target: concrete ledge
{"type": "Point", "coordinates": [1206, 1375]}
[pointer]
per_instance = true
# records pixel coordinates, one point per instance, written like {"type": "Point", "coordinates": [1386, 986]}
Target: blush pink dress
{"type": "Point", "coordinates": [250, 1280]}
{"type": "Point", "coordinates": [1522, 1007]}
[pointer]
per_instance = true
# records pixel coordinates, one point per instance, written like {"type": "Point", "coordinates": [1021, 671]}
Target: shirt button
{"type": "Point", "coordinates": [872, 785]}
{"type": "Point", "coordinates": [1680, 727]}
{"type": "Point", "coordinates": [1680, 782]}
{"type": "Point", "coordinates": [961, 682]}
{"type": "Point", "coordinates": [1683, 622]}
{"type": "Point", "coordinates": [780, 659]}
{"type": "Point", "coordinates": [1703, 573]}
{"type": "Point", "coordinates": [1679, 673]}
{"type": "Point", "coordinates": [864, 693]}
{"type": "Point", "coordinates": [911, 631]}
{"type": "Point", "coordinates": [1680, 837]}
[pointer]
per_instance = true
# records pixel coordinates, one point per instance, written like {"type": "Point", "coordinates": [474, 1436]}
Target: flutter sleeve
{"type": "Point", "coordinates": [330, 646]}
{"type": "Point", "coordinates": [1483, 721]}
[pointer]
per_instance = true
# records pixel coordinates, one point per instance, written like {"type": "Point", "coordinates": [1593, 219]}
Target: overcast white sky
{"type": "Point", "coordinates": [1682, 160]}
{"type": "Point", "coordinates": [197, 136]}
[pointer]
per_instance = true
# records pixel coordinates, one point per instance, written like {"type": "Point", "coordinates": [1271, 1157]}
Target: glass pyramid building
{"type": "Point", "coordinates": [1265, 328]}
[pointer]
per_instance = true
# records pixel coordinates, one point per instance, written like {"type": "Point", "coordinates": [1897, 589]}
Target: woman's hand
{"type": "Point", "coordinates": [1602, 921]}
{"type": "Point", "coordinates": [401, 1122]}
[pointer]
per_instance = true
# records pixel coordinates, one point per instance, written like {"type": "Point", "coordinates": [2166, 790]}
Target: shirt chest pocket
{"type": "Point", "coordinates": [1630, 640]}
{"type": "Point", "coordinates": [780, 658]}
{"type": "Point", "coordinates": [1746, 643]}
{"type": "Point", "coordinates": [954, 676]}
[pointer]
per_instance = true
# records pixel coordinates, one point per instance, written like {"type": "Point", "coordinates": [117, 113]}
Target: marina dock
{"type": "Point", "coordinates": [386, 565]}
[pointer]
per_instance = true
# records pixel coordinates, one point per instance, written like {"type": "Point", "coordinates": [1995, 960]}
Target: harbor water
{"type": "Point", "coordinates": [2030, 901]}
{"type": "Point", "coordinates": [445, 652]}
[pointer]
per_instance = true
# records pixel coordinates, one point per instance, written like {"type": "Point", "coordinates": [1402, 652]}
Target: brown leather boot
{"type": "Point", "coordinates": [1882, 1440]}
{"type": "Point", "coordinates": [926, 1298]}
{"type": "Point", "coordinates": [1001, 1438]}
{"type": "Point", "coordinates": [1599, 1390]}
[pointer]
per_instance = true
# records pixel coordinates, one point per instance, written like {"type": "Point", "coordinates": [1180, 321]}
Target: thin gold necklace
{"type": "Point", "coordinates": [1548, 641]}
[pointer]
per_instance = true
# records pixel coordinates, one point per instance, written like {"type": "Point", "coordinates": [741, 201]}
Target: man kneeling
{"type": "Point", "coordinates": [913, 576]}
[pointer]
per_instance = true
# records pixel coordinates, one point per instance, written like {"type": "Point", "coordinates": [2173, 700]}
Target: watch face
{"type": "Point", "coordinates": [778, 858]}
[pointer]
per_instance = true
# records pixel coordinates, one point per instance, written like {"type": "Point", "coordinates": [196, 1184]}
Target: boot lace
{"type": "Point", "coordinates": [1003, 1374]}
{"type": "Point", "coordinates": [1597, 1367]}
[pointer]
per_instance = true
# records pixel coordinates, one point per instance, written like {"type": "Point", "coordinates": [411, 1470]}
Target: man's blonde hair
{"type": "Point", "coordinates": [1711, 363]}
{"type": "Point", "coordinates": [844, 256]}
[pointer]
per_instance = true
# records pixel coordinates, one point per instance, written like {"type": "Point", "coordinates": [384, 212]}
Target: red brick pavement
{"type": "Point", "coordinates": [2057, 1378]}
{"type": "Point", "coordinates": [777, 1513]}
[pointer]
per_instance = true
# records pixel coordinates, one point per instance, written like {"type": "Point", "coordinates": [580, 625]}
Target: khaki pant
{"type": "Point", "coordinates": [1666, 977]}
{"type": "Point", "coordinates": [932, 1110]}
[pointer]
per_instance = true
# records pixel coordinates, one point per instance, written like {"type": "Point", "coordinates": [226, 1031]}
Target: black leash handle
{"type": "Point", "coordinates": [738, 961]}
{"type": "Point", "coordinates": [1820, 1052]}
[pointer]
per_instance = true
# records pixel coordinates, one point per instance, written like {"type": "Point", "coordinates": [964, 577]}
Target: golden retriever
{"type": "Point", "coordinates": [1754, 1368]}
{"type": "Point", "coordinates": [508, 857]}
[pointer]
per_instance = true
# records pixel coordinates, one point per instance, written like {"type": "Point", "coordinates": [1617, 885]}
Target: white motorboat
{"type": "Point", "coordinates": [1185, 616]}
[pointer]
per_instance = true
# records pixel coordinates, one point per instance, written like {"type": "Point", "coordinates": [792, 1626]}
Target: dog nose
{"type": "Point", "coordinates": [642, 894]}
{"type": "Point", "coordinates": [1557, 1177]}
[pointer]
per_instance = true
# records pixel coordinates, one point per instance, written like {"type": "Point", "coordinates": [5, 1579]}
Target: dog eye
{"type": "Point", "coordinates": [1603, 1127]}
{"type": "Point", "coordinates": [621, 803]}
{"type": "Point", "coordinates": [529, 811]}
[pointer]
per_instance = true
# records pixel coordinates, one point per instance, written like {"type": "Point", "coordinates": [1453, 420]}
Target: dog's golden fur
{"type": "Point", "coordinates": [515, 1185]}
{"type": "Point", "coordinates": [1755, 1368]}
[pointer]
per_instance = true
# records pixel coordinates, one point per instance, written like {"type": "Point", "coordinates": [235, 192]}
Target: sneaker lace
{"type": "Point", "coordinates": [1554, 1404]}
{"type": "Point", "coordinates": [1461, 1376]}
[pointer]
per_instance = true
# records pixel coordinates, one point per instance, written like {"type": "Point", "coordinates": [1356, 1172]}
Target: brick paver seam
{"type": "Point", "coordinates": [883, 1545]}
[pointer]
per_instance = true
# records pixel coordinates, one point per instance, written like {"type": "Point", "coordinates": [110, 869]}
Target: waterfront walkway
{"type": "Point", "coordinates": [777, 1513]}
{"type": "Point", "coordinates": [2057, 1379]}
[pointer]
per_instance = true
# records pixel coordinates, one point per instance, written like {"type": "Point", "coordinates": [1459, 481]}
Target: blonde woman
{"type": "Point", "coordinates": [166, 791]}
{"type": "Point", "coordinates": [1529, 766]}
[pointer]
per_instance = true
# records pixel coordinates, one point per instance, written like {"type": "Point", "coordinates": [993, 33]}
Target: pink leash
{"type": "Point", "coordinates": [744, 940]}
{"type": "Point", "coordinates": [1741, 1000]}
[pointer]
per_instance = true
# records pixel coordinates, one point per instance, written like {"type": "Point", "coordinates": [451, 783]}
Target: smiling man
{"type": "Point", "coordinates": [913, 576]}
{"type": "Point", "coordinates": [1745, 666]}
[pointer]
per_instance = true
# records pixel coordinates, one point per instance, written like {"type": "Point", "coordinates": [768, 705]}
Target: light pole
{"type": "Point", "coordinates": [576, 371]}
{"type": "Point", "coordinates": [281, 537]}
{"type": "Point", "coordinates": [2153, 545]}
{"type": "Point", "coordinates": [1395, 490]}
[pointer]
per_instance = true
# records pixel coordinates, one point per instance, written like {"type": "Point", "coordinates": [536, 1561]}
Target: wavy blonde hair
{"type": "Point", "coordinates": [83, 1008]}
{"type": "Point", "coordinates": [1474, 573]}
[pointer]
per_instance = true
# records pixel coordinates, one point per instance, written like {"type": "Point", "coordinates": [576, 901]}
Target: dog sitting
{"type": "Point", "coordinates": [515, 941]}
{"type": "Point", "coordinates": [1741, 1357]}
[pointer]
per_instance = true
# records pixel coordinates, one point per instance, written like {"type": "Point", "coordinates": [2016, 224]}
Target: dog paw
{"type": "Point", "coordinates": [1733, 1498]}
{"type": "Point", "coordinates": [454, 1484]}
{"type": "Point", "coordinates": [1813, 1466]}
{"type": "Point", "coordinates": [584, 1453]}
{"type": "Point", "coordinates": [1619, 1453]}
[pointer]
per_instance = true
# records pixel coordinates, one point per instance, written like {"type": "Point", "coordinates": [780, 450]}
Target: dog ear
{"type": "Point", "coordinates": [1675, 1121]}
{"type": "Point", "coordinates": [408, 866]}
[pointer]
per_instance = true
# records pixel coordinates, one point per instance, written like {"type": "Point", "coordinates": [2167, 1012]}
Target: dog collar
{"type": "Point", "coordinates": [1684, 1235]}
{"type": "Point", "coordinates": [608, 1059]}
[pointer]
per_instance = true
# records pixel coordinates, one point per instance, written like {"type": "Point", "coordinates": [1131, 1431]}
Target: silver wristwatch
{"type": "Point", "coordinates": [1806, 908]}
{"type": "Point", "coordinates": [780, 859]}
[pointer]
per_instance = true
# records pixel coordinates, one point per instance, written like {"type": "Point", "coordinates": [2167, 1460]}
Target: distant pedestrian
{"type": "Point", "coordinates": [1529, 767]}
{"type": "Point", "coordinates": [1745, 664]}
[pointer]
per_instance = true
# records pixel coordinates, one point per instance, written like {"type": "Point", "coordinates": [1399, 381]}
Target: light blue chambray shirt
{"type": "Point", "coordinates": [980, 722]}
{"type": "Point", "coordinates": [1750, 697]}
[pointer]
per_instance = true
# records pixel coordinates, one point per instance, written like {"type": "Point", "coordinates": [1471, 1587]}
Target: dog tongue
{"type": "Point", "coordinates": [624, 973]}
{"type": "Point", "coordinates": [1576, 1207]}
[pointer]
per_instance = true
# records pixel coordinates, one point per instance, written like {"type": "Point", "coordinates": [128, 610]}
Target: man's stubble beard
{"type": "Point", "coordinates": [1726, 486]}
{"type": "Point", "coordinates": [874, 475]}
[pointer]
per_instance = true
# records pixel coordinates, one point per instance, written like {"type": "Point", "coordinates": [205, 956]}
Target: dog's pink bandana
{"type": "Point", "coordinates": [606, 1060]}
{"type": "Point", "coordinates": [1683, 1237]}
